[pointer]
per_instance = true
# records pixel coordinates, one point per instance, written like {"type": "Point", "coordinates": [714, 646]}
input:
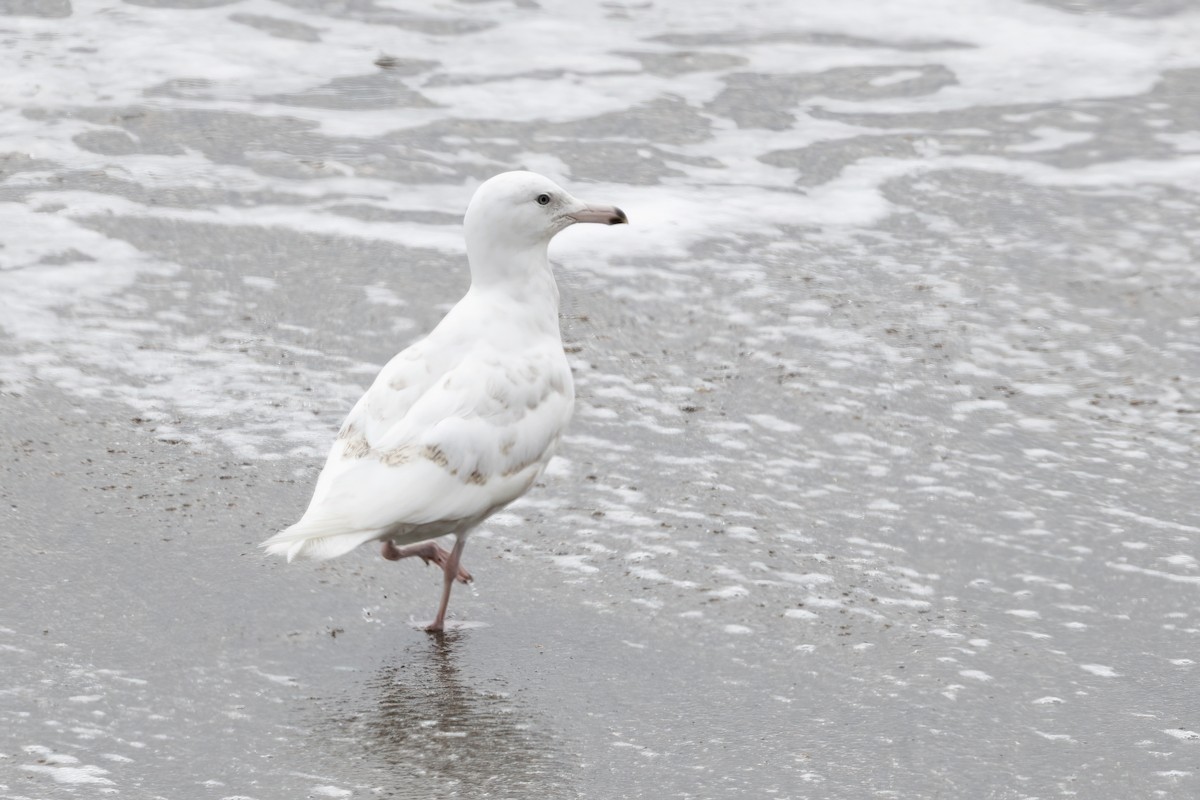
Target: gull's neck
{"type": "Point", "coordinates": [518, 279]}
{"type": "Point", "coordinates": [510, 269]}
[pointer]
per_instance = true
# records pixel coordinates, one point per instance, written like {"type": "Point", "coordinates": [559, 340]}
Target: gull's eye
{"type": "Point", "coordinates": [543, 199]}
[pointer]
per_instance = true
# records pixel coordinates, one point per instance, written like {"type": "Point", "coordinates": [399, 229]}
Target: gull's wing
{"type": "Point", "coordinates": [425, 446]}
{"type": "Point", "coordinates": [397, 387]}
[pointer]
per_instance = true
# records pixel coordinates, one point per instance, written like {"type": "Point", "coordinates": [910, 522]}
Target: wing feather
{"type": "Point", "coordinates": [426, 446]}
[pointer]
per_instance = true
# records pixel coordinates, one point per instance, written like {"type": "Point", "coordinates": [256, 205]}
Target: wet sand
{"type": "Point", "coordinates": [881, 482]}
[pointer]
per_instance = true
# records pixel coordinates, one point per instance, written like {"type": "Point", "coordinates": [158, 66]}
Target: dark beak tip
{"type": "Point", "coordinates": [619, 218]}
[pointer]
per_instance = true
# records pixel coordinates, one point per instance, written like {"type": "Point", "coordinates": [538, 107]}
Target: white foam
{"type": "Point", "coordinates": [773, 423]}
{"type": "Point", "coordinates": [1156, 573]}
{"type": "Point", "coordinates": [976, 674]}
{"type": "Point", "coordinates": [1100, 669]}
{"type": "Point", "coordinates": [573, 563]}
{"type": "Point", "coordinates": [800, 613]}
{"type": "Point", "coordinates": [61, 768]}
{"type": "Point", "coordinates": [1050, 138]}
{"type": "Point", "coordinates": [282, 680]}
{"type": "Point", "coordinates": [1024, 613]}
{"type": "Point", "coordinates": [1182, 734]}
{"type": "Point", "coordinates": [120, 759]}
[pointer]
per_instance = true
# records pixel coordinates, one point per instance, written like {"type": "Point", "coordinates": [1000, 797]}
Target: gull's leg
{"type": "Point", "coordinates": [429, 552]}
{"type": "Point", "coordinates": [451, 571]}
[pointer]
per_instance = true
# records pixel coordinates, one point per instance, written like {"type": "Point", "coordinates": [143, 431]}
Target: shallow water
{"type": "Point", "coordinates": [881, 482]}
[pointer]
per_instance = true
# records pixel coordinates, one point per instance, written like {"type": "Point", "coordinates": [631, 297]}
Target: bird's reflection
{"type": "Point", "coordinates": [431, 728]}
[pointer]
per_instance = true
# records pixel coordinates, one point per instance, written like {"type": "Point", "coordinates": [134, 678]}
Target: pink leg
{"type": "Point", "coordinates": [429, 552]}
{"type": "Point", "coordinates": [451, 571]}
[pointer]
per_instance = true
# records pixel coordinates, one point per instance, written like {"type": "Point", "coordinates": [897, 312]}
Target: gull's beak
{"type": "Point", "coordinates": [607, 215]}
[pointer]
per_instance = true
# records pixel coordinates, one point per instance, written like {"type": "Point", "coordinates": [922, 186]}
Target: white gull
{"type": "Point", "coordinates": [461, 423]}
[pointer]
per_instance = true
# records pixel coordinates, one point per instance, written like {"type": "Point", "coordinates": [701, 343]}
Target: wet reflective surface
{"type": "Point", "coordinates": [423, 720]}
{"type": "Point", "coordinates": [882, 476]}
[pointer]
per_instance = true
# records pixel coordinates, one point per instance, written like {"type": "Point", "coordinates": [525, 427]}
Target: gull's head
{"type": "Point", "coordinates": [520, 211]}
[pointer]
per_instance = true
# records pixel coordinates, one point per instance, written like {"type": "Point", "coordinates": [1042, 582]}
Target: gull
{"type": "Point", "coordinates": [462, 422]}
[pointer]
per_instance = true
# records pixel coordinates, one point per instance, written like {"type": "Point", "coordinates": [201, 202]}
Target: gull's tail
{"type": "Point", "coordinates": [316, 540]}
